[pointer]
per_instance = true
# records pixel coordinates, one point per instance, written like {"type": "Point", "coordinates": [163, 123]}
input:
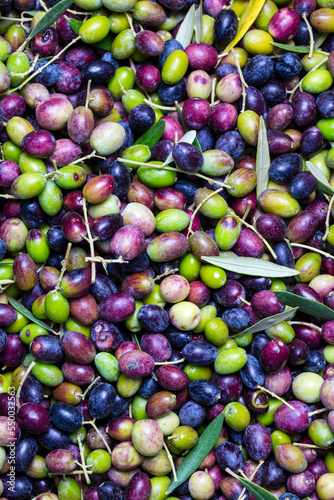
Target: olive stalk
{"type": "Point", "coordinates": [32, 67]}
{"type": "Point", "coordinates": [326, 254]}
{"type": "Point", "coordinates": [89, 387]}
{"type": "Point", "coordinates": [327, 218]}
{"type": "Point", "coordinates": [275, 396]}
{"type": "Point", "coordinates": [258, 234]}
{"type": "Point", "coordinates": [213, 90]}
{"type": "Point", "coordinates": [130, 411]}
{"type": "Point", "coordinates": [43, 5]}
{"type": "Point", "coordinates": [91, 155]}
{"type": "Point", "coordinates": [243, 82]}
{"type": "Point", "coordinates": [316, 412]}
{"type": "Point", "coordinates": [92, 423]}
{"type": "Point", "coordinates": [249, 204]}
{"type": "Point", "coordinates": [64, 263]}
{"type": "Point", "coordinates": [309, 27]}
{"type": "Point", "coordinates": [198, 208]}
{"type": "Point", "coordinates": [166, 273]}
{"type": "Point", "coordinates": [305, 324]}
{"type": "Point", "coordinates": [171, 461]}
{"type": "Point", "coordinates": [30, 367]}
{"type": "Point", "coordinates": [90, 239]}
{"type": "Point", "coordinates": [291, 92]}
{"type": "Point", "coordinates": [83, 465]}
{"type": "Point", "coordinates": [311, 446]}
{"type": "Point", "coordinates": [158, 106]}
{"type": "Point", "coordinates": [171, 362]}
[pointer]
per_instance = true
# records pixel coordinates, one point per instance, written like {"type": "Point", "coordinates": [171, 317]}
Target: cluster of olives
{"type": "Point", "coordinates": [128, 158]}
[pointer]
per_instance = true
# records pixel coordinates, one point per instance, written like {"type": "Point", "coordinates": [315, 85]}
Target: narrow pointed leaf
{"type": "Point", "coordinates": [198, 23]}
{"type": "Point", "coordinates": [50, 17]}
{"type": "Point", "coordinates": [320, 40]}
{"type": "Point", "coordinates": [195, 457]}
{"type": "Point", "coordinates": [262, 159]}
{"type": "Point", "coordinates": [248, 18]}
{"type": "Point", "coordinates": [105, 44]}
{"type": "Point", "coordinates": [265, 323]}
{"type": "Point", "coordinates": [185, 33]}
{"type": "Point", "coordinates": [75, 25]}
{"type": "Point", "coordinates": [153, 135]}
{"type": "Point", "coordinates": [292, 48]}
{"type": "Point", "coordinates": [323, 185]}
{"type": "Point", "coordinates": [23, 310]}
{"type": "Point", "coordinates": [251, 266]}
{"type": "Point", "coordinates": [189, 138]}
{"type": "Point", "coordinates": [257, 491]}
{"type": "Point", "coordinates": [310, 307]}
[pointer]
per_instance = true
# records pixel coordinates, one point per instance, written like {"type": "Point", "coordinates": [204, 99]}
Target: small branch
{"type": "Point", "coordinates": [198, 208]}
{"type": "Point", "coordinates": [166, 273]}
{"type": "Point", "coordinates": [213, 90]}
{"type": "Point", "coordinates": [91, 155]}
{"type": "Point", "coordinates": [305, 324]}
{"type": "Point", "coordinates": [309, 27]}
{"type": "Point", "coordinates": [92, 423]}
{"type": "Point", "coordinates": [291, 92]}
{"type": "Point", "coordinates": [170, 362]}
{"type": "Point", "coordinates": [90, 386]}
{"type": "Point", "coordinates": [87, 98]}
{"type": "Point", "coordinates": [316, 250]}
{"type": "Point", "coordinates": [32, 67]}
{"type": "Point", "coordinates": [311, 446]}
{"type": "Point", "coordinates": [243, 82]}
{"type": "Point", "coordinates": [130, 411]}
{"type": "Point", "coordinates": [328, 217]}
{"type": "Point", "coordinates": [275, 396]}
{"type": "Point", "coordinates": [129, 18]}
{"type": "Point", "coordinates": [8, 196]}
{"type": "Point", "coordinates": [316, 412]}
{"type": "Point", "coordinates": [171, 461]}
{"type": "Point", "coordinates": [244, 301]}
{"type": "Point", "coordinates": [158, 106]}
{"type": "Point", "coordinates": [30, 367]}
{"type": "Point", "coordinates": [90, 239]}
{"type": "Point", "coordinates": [249, 204]}
{"type": "Point", "coordinates": [64, 263]}
{"type": "Point", "coordinates": [83, 463]}
{"type": "Point", "coordinates": [259, 235]}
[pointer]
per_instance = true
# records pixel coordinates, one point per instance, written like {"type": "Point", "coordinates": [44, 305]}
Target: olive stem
{"type": "Point", "coordinates": [88, 93]}
{"type": "Point", "coordinates": [8, 196]}
{"type": "Point", "coordinates": [73, 473]}
{"type": "Point", "coordinates": [171, 362]}
{"type": "Point", "coordinates": [326, 254]}
{"type": "Point", "coordinates": [92, 423]}
{"type": "Point", "coordinates": [259, 235]}
{"type": "Point", "coordinates": [129, 18]}
{"type": "Point", "coordinates": [305, 324]}
{"type": "Point", "coordinates": [89, 387]}
{"type": "Point", "coordinates": [173, 169]}
{"type": "Point", "coordinates": [45, 65]}
{"type": "Point", "coordinates": [300, 82]}
{"type": "Point", "coordinates": [213, 90]}
{"type": "Point", "coordinates": [43, 5]}
{"type": "Point", "coordinates": [275, 396]}
{"type": "Point", "coordinates": [90, 239]}
{"type": "Point", "coordinates": [158, 106]}
{"type": "Point", "coordinates": [249, 204]}
{"type": "Point", "coordinates": [134, 336]}
{"type": "Point", "coordinates": [243, 82]}
{"type": "Point", "coordinates": [130, 410]}
{"type": "Point", "coordinates": [83, 465]}
{"type": "Point", "coordinates": [244, 301]}
{"type": "Point", "coordinates": [316, 412]}
{"type": "Point", "coordinates": [198, 207]}
{"type": "Point", "coordinates": [30, 367]}
{"type": "Point", "coordinates": [6, 282]}
{"type": "Point", "coordinates": [107, 261]}
{"type": "Point", "coordinates": [309, 27]}
{"type": "Point", "coordinates": [166, 273]}
{"type": "Point", "coordinates": [327, 218]}
{"type": "Point", "coordinates": [32, 67]}
{"type": "Point", "coordinates": [132, 65]}
{"type": "Point", "coordinates": [64, 263]}
{"type": "Point", "coordinates": [311, 446]}
{"type": "Point", "coordinates": [91, 155]}
{"type": "Point", "coordinates": [170, 458]}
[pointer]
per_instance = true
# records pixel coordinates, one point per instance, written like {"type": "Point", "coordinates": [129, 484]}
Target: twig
{"type": "Point", "coordinates": [311, 446]}
{"type": "Point", "coordinates": [170, 362]}
{"type": "Point", "coordinates": [30, 367]}
{"type": "Point", "coordinates": [90, 386]}
{"type": "Point", "coordinates": [243, 82]}
{"type": "Point", "coordinates": [316, 250]}
{"type": "Point", "coordinates": [259, 235]}
{"type": "Point", "coordinates": [170, 458]}
{"type": "Point", "coordinates": [275, 396]}
{"type": "Point", "coordinates": [166, 273]}
{"type": "Point", "coordinates": [87, 98]}
{"type": "Point", "coordinates": [328, 217]}
{"type": "Point", "coordinates": [90, 239]}
{"type": "Point", "coordinates": [130, 410]}
{"type": "Point", "coordinates": [92, 423]}
{"type": "Point", "coordinates": [249, 204]}
{"type": "Point", "coordinates": [83, 464]}
{"type": "Point", "coordinates": [64, 263]}
{"type": "Point", "coordinates": [213, 90]}
{"type": "Point", "coordinates": [91, 155]}
{"type": "Point", "coordinates": [158, 106]}
{"type": "Point", "coordinates": [198, 208]}
{"type": "Point", "coordinates": [309, 27]}
{"type": "Point", "coordinates": [316, 412]}
{"type": "Point", "coordinates": [305, 324]}
{"type": "Point", "coordinates": [291, 92]}
{"type": "Point", "coordinates": [244, 301]}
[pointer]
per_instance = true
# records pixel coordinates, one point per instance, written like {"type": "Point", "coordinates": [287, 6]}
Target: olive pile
{"type": "Point", "coordinates": [132, 159]}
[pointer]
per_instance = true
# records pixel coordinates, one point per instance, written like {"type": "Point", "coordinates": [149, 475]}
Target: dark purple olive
{"type": "Point", "coordinates": [45, 42]}
{"type": "Point", "coordinates": [100, 72]}
{"type": "Point", "coordinates": [39, 143]}
{"type": "Point", "coordinates": [33, 418]}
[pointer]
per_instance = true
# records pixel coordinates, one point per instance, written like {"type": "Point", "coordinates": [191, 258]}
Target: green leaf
{"type": "Point", "coordinates": [75, 25]}
{"type": "Point", "coordinates": [105, 44]}
{"type": "Point", "coordinates": [188, 137]}
{"type": "Point", "coordinates": [323, 185]}
{"type": "Point", "coordinates": [23, 310]}
{"type": "Point", "coordinates": [251, 266]}
{"type": "Point", "coordinates": [310, 307]}
{"type": "Point", "coordinates": [50, 17]}
{"type": "Point", "coordinates": [292, 48]}
{"type": "Point", "coordinates": [185, 33]}
{"type": "Point", "coordinates": [257, 491]}
{"type": "Point", "coordinates": [320, 40]}
{"type": "Point", "coordinates": [196, 456]}
{"type": "Point", "coordinates": [262, 159]}
{"type": "Point", "coordinates": [153, 135]}
{"type": "Point", "coordinates": [265, 323]}
{"type": "Point", "coordinates": [198, 23]}
{"type": "Point", "coordinates": [31, 13]}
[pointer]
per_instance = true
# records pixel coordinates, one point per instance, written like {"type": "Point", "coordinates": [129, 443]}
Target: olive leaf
{"type": "Point", "coordinates": [262, 159]}
{"type": "Point", "coordinates": [196, 456]}
{"type": "Point", "coordinates": [32, 13]}
{"type": "Point", "coordinates": [152, 135]}
{"type": "Point", "coordinates": [23, 310]}
{"type": "Point", "coordinates": [50, 17]}
{"type": "Point", "coordinates": [185, 127]}
{"type": "Point", "coordinates": [198, 23]}
{"type": "Point", "coordinates": [185, 33]}
{"type": "Point", "coordinates": [188, 137]}
{"type": "Point", "coordinates": [75, 25]}
{"type": "Point", "coordinates": [310, 307]}
{"type": "Point", "coordinates": [255, 490]}
{"type": "Point", "coordinates": [268, 322]}
{"type": "Point", "coordinates": [7, 261]}
{"type": "Point", "coordinates": [249, 15]}
{"type": "Point", "coordinates": [320, 40]}
{"type": "Point", "coordinates": [251, 266]}
{"type": "Point", "coordinates": [292, 48]}
{"type": "Point", "coordinates": [323, 185]}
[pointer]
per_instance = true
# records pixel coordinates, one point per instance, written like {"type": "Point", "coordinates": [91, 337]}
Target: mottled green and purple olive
{"type": "Point", "coordinates": [248, 126]}
{"type": "Point", "coordinates": [68, 393]}
{"type": "Point", "coordinates": [60, 461]}
{"type": "Point", "coordinates": [227, 232]}
{"type": "Point", "coordinates": [25, 272]}
{"type": "Point", "coordinates": [290, 458]}
{"type": "Point", "coordinates": [216, 163]}
{"type": "Point", "coordinates": [323, 20]}
{"type": "Point", "coordinates": [167, 246]}
{"type": "Point", "coordinates": [17, 128]}
{"type": "Point", "coordinates": [137, 214]}
{"type": "Point", "coordinates": [202, 245]}
{"type": "Point", "coordinates": [241, 182]}
{"type": "Point", "coordinates": [14, 233]}
{"type": "Point", "coordinates": [53, 113]}
{"type": "Point", "coordinates": [174, 289]}
{"type": "Point", "coordinates": [308, 266]}
{"type": "Point", "coordinates": [214, 207]}
{"type": "Point", "coordinates": [147, 437]}
{"type": "Point", "coordinates": [199, 84]}
{"type": "Point", "coordinates": [185, 316]}
{"type": "Point", "coordinates": [279, 203]}
{"type": "Point", "coordinates": [325, 486]}
{"type": "Point", "coordinates": [120, 428]}
{"type": "Point", "coordinates": [80, 124]}
{"type": "Point", "coordinates": [4, 78]}
{"type": "Point", "coordinates": [229, 88]}
{"type": "Point", "coordinates": [171, 220]}
{"type": "Point", "coordinates": [107, 138]}
{"type": "Point", "coordinates": [148, 13]}
{"type": "Point", "coordinates": [138, 285]}
{"type": "Point", "coordinates": [159, 465]}
{"type": "Point", "coordinates": [160, 404]}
